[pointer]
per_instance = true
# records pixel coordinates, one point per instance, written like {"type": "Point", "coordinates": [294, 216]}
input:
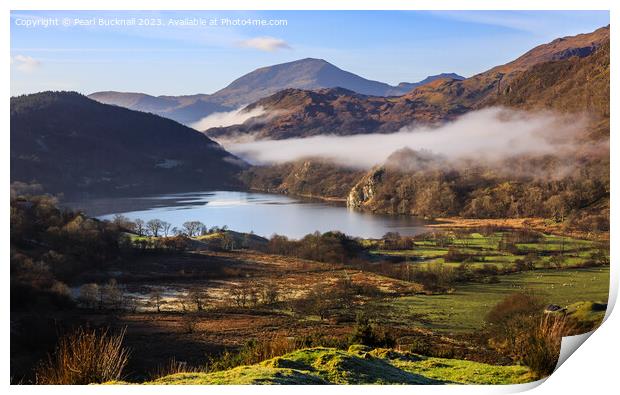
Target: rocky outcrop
{"type": "Point", "coordinates": [364, 191]}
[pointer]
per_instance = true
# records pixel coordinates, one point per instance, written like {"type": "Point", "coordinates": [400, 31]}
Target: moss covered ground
{"type": "Point", "coordinates": [357, 365]}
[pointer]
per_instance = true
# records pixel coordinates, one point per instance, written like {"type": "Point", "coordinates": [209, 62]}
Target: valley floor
{"type": "Point", "coordinates": [443, 326]}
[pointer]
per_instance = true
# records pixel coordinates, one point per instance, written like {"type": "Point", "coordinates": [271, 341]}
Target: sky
{"type": "Point", "coordinates": [81, 51]}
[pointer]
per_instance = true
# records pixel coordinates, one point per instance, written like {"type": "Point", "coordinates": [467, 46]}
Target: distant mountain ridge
{"type": "Point", "coordinates": [308, 74]}
{"type": "Point", "coordinates": [569, 73]}
{"type": "Point", "coordinates": [71, 144]}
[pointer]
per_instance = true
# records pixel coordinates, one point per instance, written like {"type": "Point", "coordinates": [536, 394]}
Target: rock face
{"type": "Point", "coordinates": [362, 194]}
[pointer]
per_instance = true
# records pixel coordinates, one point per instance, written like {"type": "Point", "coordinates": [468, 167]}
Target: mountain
{"type": "Point", "coordinates": [72, 144]}
{"type": "Point", "coordinates": [405, 87]}
{"type": "Point", "coordinates": [543, 78]}
{"type": "Point", "coordinates": [486, 88]}
{"type": "Point", "coordinates": [573, 85]}
{"type": "Point", "coordinates": [570, 185]}
{"type": "Point", "coordinates": [302, 113]}
{"type": "Point", "coordinates": [183, 109]}
{"type": "Point", "coordinates": [308, 74]}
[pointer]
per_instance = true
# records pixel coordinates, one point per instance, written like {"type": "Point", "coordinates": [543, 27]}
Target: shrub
{"type": "Point", "coordinates": [83, 357]}
{"type": "Point", "coordinates": [518, 327]}
{"type": "Point", "coordinates": [542, 344]}
{"type": "Point", "coordinates": [516, 314]}
{"type": "Point", "coordinates": [370, 334]}
{"type": "Point", "coordinates": [516, 305]}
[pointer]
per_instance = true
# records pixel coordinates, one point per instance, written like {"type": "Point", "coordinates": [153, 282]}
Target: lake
{"type": "Point", "coordinates": [262, 213]}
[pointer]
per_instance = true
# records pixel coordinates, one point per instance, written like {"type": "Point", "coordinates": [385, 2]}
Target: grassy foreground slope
{"type": "Point", "coordinates": [357, 365]}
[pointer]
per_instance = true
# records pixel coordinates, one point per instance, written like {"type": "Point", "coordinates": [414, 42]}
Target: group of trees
{"type": "Point", "coordinates": [114, 296]}
{"type": "Point", "coordinates": [484, 194]}
{"type": "Point", "coordinates": [323, 300]}
{"type": "Point", "coordinates": [332, 247]}
{"type": "Point", "coordinates": [253, 293]}
{"type": "Point", "coordinates": [108, 296]}
{"type": "Point", "coordinates": [50, 247]}
{"type": "Point", "coordinates": [158, 228]}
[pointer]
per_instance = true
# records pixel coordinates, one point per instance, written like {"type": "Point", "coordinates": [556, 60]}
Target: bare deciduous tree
{"type": "Point", "coordinates": [139, 227]}
{"type": "Point", "coordinates": [157, 299]}
{"type": "Point", "coordinates": [89, 295]}
{"type": "Point", "coordinates": [193, 228]}
{"type": "Point", "coordinates": [198, 298]}
{"type": "Point", "coordinates": [112, 294]}
{"type": "Point", "coordinates": [165, 228]}
{"type": "Point", "coordinates": [154, 226]}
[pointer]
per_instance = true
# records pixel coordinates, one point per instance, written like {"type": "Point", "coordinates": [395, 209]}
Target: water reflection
{"type": "Point", "coordinates": [264, 214]}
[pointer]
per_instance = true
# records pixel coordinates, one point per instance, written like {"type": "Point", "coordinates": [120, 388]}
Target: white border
{"type": "Point", "coordinates": [591, 370]}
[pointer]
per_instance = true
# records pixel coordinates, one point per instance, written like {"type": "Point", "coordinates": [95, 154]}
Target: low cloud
{"type": "Point", "coordinates": [492, 134]}
{"type": "Point", "coordinates": [25, 63]}
{"type": "Point", "coordinates": [222, 119]}
{"type": "Point", "coordinates": [266, 43]}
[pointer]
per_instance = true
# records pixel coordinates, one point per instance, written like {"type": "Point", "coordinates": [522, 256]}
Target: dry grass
{"type": "Point", "coordinates": [83, 357]}
{"type": "Point", "coordinates": [173, 367]}
{"type": "Point", "coordinates": [254, 352]}
{"type": "Point", "coordinates": [538, 224]}
{"type": "Point", "coordinates": [543, 344]}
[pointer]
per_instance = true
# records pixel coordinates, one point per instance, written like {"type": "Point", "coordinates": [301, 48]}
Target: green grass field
{"type": "Point", "coordinates": [464, 309]}
{"type": "Point", "coordinates": [486, 250]}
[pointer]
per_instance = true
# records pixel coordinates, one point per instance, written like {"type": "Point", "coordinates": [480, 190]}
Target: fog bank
{"type": "Point", "coordinates": [492, 134]}
{"type": "Point", "coordinates": [222, 119]}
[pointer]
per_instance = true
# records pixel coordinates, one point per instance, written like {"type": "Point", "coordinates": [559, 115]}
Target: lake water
{"type": "Point", "coordinates": [264, 214]}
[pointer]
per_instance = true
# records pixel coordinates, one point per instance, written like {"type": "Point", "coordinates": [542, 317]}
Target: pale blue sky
{"type": "Point", "coordinates": [389, 46]}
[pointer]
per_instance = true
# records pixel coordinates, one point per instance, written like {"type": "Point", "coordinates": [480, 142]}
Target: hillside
{"type": "Point", "coordinates": [310, 178]}
{"type": "Point", "coordinates": [72, 144]}
{"type": "Point", "coordinates": [302, 113]}
{"type": "Point", "coordinates": [307, 74]}
{"type": "Point", "coordinates": [487, 88]}
{"type": "Point", "coordinates": [555, 71]}
{"type": "Point", "coordinates": [358, 365]}
{"type": "Point", "coordinates": [183, 109]}
{"type": "Point", "coordinates": [573, 85]}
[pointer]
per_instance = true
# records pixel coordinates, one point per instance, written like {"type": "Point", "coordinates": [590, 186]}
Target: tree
{"type": "Point", "coordinates": [319, 301]}
{"type": "Point", "coordinates": [139, 227]}
{"type": "Point", "coordinates": [122, 222]}
{"type": "Point", "coordinates": [157, 298]}
{"type": "Point", "coordinates": [227, 242]}
{"type": "Point", "coordinates": [193, 228]}
{"type": "Point", "coordinates": [112, 294]}
{"type": "Point", "coordinates": [131, 303]}
{"type": "Point", "coordinates": [165, 227]}
{"type": "Point", "coordinates": [270, 293]}
{"type": "Point", "coordinates": [198, 298]}
{"type": "Point", "coordinates": [154, 226]}
{"type": "Point", "coordinates": [239, 295]}
{"type": "Point", "coordinates": [89, 294]}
